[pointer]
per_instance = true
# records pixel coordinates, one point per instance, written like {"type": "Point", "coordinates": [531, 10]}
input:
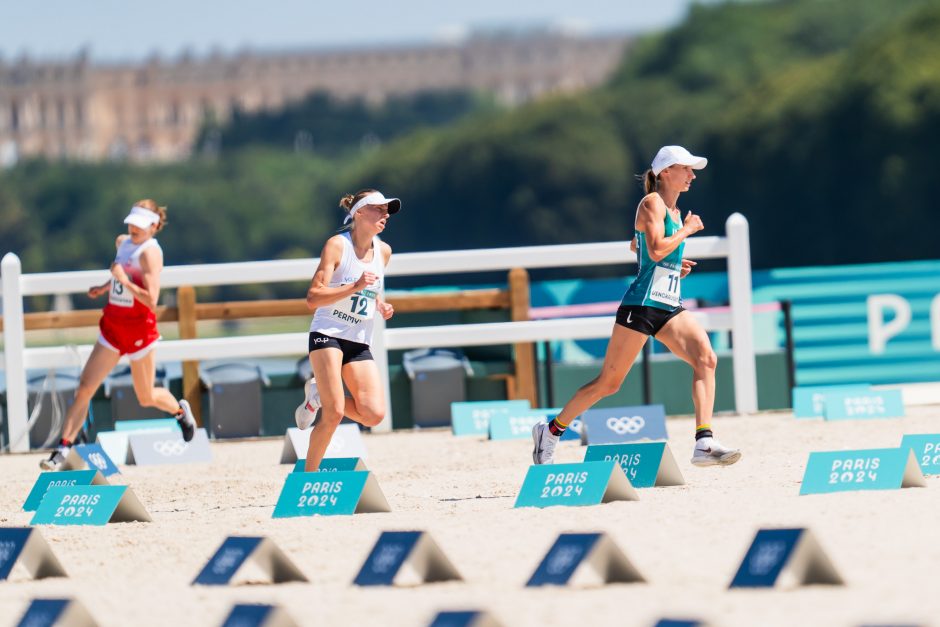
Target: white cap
{"type": "Point", "coordinates": [676, 155]}
{"type": "Point", "coordinates": [375, 198]}
{"type": "Point", "coordinates": [142, 218]}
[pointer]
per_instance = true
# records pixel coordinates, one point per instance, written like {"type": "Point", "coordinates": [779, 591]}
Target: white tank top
{"type": "Point", "coordinates": [128, 256]}
{"type": "Point", "coordinates": [353, 317]}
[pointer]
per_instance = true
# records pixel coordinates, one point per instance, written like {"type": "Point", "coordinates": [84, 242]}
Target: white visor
{"type": "Point", "coordinates": [676, 155]}
{"type": "Point", "coordinates": [142, 218]}
{"type": "Point", "coordinates": [375, 198]}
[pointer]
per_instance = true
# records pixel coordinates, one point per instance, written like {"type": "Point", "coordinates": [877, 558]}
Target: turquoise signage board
{"type": "Point", "coordinates": [78, 505]}
{"type": "Point", "coordinates": [333, 464]}
{"type": "Point", "coordinates": [868, 404]}
{"type": "Point", "coordinates": [809, 401]}
{"type": "Point", "coordinates": [148, 424]}
{"type": "Point", "coordinates": [311, 493]}
{"type": "Point", "coordinates": [338, 493]}
{"type": "Point", "coordinates": [867, 469]}
{"type": "Point", "coordinates": [473, 417]}
{"type": "Point", "coordinates": [587, 483]}
{"type": "Point", "coordinates": [517, 425]}
{"type": "Point", "coordinates": [55, 479]}
{"type": "Point", "coordinates": [926, 447]}
{"type": "Point", "coordinates": [646, 464]}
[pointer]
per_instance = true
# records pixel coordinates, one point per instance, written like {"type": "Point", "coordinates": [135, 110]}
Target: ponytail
{"type": "Point", "coordinates": [650, 181]}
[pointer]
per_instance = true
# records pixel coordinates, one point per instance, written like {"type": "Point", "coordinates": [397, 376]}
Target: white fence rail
{"type": "Point", "coordinates": [735, 247]}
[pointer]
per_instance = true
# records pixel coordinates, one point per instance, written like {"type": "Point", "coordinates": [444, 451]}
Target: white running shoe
{"type": "Point", "coordinates": [544, 450]}
{"type": "Point", "coordinates": [187, 421]}
{"type": "Point", "coordinates": [710, 452]}
{"type": "Point", "coordinates": [56, 460]}
{"type": "Point", "coordinates": [306, 413]}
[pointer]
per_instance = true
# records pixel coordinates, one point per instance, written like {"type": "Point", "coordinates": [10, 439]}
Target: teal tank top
{"type": "Point", "coordinates": [657, 283]}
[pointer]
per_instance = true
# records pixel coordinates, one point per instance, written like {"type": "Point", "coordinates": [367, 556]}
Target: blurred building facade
{"type": "Point", "coordinates": [153, 110]}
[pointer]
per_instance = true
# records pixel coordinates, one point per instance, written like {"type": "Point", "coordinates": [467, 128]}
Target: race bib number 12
{"type": "Point", "coordinates": [360, 305]}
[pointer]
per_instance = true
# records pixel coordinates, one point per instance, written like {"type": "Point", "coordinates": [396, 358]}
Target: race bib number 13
{"type": "Point", "coordinates": [120, 295]}
{"type": "Point", "coordinates": [665, 288]}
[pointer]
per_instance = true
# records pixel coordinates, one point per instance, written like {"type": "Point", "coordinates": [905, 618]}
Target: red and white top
{"type": "Point", "coordinates": [121, 302]}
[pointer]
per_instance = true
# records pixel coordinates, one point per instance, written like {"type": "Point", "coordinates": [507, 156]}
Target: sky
{"type": "Point", "coordinates": [118, 30]}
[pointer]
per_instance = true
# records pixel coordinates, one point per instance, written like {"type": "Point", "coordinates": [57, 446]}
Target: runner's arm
{"type": "Point", "coordinates": [320, 294]}
{"type": "Point", "coordinates": [151, 264]}
{"type": "Point", "coordinates": [650, 218]}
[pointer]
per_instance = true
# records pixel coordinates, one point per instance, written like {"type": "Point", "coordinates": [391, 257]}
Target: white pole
{"type": "Point", "coordinates": [380, 355]}
{"type": "Point", "coordinates": [14, 339]}
{"type": "Point", "coordinates": [742, 323]}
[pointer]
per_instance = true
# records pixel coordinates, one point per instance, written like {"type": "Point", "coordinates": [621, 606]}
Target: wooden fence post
{"type": "Point", "coordinates": [192, 390]}
{"type": "Point", "coordinates": [525, 352]}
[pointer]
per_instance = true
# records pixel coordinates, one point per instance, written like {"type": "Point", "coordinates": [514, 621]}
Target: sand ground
{"type": "Point", "coordinates": [687, 541]}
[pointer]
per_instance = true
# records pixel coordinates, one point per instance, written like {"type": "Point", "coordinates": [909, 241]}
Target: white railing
{"type": "Point", "coordinates": [734, 247]}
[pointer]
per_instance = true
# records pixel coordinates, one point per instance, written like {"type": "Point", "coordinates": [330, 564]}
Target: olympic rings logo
{"type": "Point", "coordinates": [626, 424]}
{"type": "Point", "coordinates": [766, 557]}
{"type": "Point", "coordinates": [98, 460]}
{"type": "Point", "coordinates": [563, 559]}
{"type": "Point", "coordinates": [7, 549]}
{"type": "Point", "coordinates": [170, 448]}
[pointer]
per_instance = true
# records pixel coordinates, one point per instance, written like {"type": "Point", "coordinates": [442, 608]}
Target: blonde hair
{"type": "Point", "coordinates": [348, 201]}
{"type": "Point", "coordinates": [151, 205]}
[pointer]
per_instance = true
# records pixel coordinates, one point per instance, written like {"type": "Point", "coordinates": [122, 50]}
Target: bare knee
{"type": "Point", "coordinates": [706, 360]}
{"type": "Point", "coordinates": [602, 387]}
{"type": "Point", "coordinates": [330, 415]}
{"type": "Point", "coordinates": [84, 391]}
{"type": "Point", "coordinates": [371, 413]}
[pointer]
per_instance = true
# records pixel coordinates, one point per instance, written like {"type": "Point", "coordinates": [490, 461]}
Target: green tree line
{"type": "Point", "coordinates": [819, 119]}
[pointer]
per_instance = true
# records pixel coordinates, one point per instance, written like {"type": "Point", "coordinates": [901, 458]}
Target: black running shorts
{"type": "Point", "coordinates": [646, 320]}
{"type": "Point", "coordinates": [352, 351]}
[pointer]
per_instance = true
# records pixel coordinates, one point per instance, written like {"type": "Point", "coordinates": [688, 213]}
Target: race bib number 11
{"type": "Point", "coordinates": [665, 288]}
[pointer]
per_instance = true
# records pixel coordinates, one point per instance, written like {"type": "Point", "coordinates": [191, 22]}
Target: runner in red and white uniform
{"type": "Point", "coordinates": [128, 327]}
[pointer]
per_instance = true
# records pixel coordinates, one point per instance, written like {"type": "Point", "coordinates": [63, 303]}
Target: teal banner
{"type": "Point", "coordinates": [320, 494]}
{"type": "Point", "coordinates": [870, 404]}
{"type": "Point", "coordinates": [587, 483]}
{"type": "Point", "coordinates": [62, 478]}
{"type": "Point", "coordinates": [517, 425]}
{"type": "Point", "coordinates": [333, 464]}
{"type": "Point", "coordinates": [809, 401]}
{"type": "Point", "coordinates": [640, 461]}
{"type": "Point", "coordinates": [926, 447]}
{"type": "Point", "coordinates": [473, 417]}
{"type": "Point", "coordinates": [79, 505]}
{"type": "Point", "coordinates": [868, 469]}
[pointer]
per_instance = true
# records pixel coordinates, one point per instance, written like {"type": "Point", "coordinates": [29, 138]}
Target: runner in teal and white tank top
{"type": "Point", "coordinates": [657, 282]}
{"type": "Point", "coordinates": [652, 306]}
